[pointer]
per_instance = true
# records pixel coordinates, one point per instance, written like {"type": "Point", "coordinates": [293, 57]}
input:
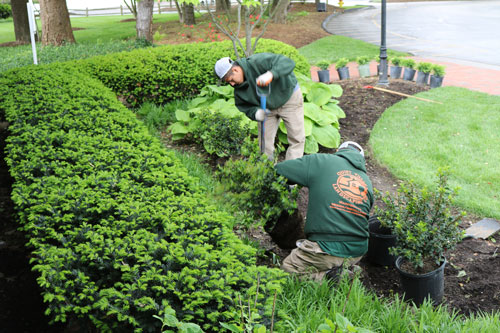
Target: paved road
{"type": "Point", "coordinates": [457, 31]}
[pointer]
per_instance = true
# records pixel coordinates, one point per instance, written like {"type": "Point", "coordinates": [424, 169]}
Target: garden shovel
{"type": "Point", "coordinates": [482, 229]}
{"type": "Point", "coordinates": [263, 100]}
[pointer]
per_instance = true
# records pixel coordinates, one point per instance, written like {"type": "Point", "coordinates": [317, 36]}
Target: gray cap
{"type": "Point", "coordinates": [222, 66]}
{"type": "Point", "coordinates": [352, 145]}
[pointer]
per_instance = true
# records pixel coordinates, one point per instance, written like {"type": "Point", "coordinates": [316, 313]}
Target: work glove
{"type": "Point", "coordinates": [260, 115]}
{"type": "Point", "coordinates": [264, 79]}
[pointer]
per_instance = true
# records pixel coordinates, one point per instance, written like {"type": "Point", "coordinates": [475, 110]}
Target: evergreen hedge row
{"type": "Point", "coordinates": [118, 229]}
{"type": "Point", "coordinates": [171, 72]}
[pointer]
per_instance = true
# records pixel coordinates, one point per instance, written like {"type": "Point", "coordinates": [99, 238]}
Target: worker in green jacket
{"type": "Point", "coordinates": [285, 101]}
{"type": "Point", "coordinates": [340, 200]}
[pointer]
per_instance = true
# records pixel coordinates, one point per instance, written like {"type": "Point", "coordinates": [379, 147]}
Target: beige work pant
{"type": "Point", "coordinates": [292, 113]}
{"type": "Point", "coordinates": [309, 260]}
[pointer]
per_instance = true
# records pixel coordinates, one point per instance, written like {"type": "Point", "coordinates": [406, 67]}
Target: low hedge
{"type": "Point", "coordinates": [118, 229]}
{"type": "Point", "coordinates": [171, 72]}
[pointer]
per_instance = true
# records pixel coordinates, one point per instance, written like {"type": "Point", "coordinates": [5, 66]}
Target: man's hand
{"type": "Point", "coordinates": [264, 79]}
{"type": "Point", "coordinates": [260, 115]}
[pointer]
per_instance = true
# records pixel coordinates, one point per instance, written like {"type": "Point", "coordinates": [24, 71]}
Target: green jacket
{"type": "Point", "coordinates": [282, 86]}
{"type": "Point", "coordinates": [340, 198]}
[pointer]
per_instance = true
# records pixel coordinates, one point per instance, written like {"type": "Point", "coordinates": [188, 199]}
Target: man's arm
{"type": "Point", "coordinates": [296, 171]}
{"type": "Point", "coordinates": [277, 64]}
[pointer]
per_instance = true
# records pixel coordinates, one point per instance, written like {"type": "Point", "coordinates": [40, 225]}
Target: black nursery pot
{"type": "Point", "coordinates": [324, 76]}
{"type": "Point", "coordinates": [417, 288]}
{"type": "Point", "coordinates": [343, 73]}
{"type": "Point", "coordinates": [409, 74]}
{"type": "Point", "coordinates": [396, 72]}
{"type": "Point", "coordinates": [381, 239]}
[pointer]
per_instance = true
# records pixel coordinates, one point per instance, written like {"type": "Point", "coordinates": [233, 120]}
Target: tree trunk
{"type": "Point", "coordinates": [281, 11]}
{"type": "Point", "coordinates": [56, 26]}
{"type": "Point", "coordinates": [144, 23]}
{"type": "Point", "coordinates": [188, 10]}
{"type": "Point", "coordinates": [21, 24]}
{"type": "Point", "coordinates": [221, 5]}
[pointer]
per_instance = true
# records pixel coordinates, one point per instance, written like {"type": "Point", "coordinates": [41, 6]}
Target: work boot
{"type": "Point", "coordinates": [334, 274]}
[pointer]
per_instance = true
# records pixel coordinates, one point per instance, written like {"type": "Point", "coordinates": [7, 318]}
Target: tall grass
{"type": "Point", "coordinates": [414, 138]}
{"type": "Point", "coordinates": [304, 305]}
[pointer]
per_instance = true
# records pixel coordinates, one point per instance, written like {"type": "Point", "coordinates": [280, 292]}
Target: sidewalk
{"type": "Point", "coordinates": [459, 75]}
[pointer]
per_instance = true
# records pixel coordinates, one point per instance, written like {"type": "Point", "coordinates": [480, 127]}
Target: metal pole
{"type": "Point", "coordinates": [382, 80]}
{"type": "Point", "coordinates": [32, 25]}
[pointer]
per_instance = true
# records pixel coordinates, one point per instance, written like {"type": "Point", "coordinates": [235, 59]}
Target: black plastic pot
{"type": "Point", "coordinates": [396, 72]}
{"type": "Point", "coordinates": [436, 81]}
{"type": "Point", "coordinates": [324, 76]}
{"type": "Point", "coordinates": [409, 74]}
{"type": "Point", "coordinates": [381, 239]}
{"type": "Point", "coordinates": [343, 73]}
{"type": "Point", "coordinates": [417, 288]}
{"type": "Point", "coordinates": [422, 78]}
{"type": "Point", "coordinates": [321, 7]}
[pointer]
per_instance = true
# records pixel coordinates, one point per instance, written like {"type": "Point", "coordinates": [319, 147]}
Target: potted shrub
{"type": "Point", "coordinates": [425, 230]}
{"type": "Point", "coordinates": [342, 69]}
{"type": "Point", "coordinates": [437, 76]}
{"type": "Point", "coordinates": [363, 66]}
{"type": "Point", "coordinates": [380, 241]}
{"type": "Point", "coordinates": [424, 69]}
{"type": "Point", "coordinates": [323, 72]}
{"type": "Point", "coordinates": [409, 69]}
{"type": "Point", "coordinates": [396, 67]}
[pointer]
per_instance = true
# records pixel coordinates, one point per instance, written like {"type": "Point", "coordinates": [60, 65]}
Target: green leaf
{"type": "Point", "coordinates": [319, 94]}
{"type": "Point", "coordinates": [197, 101]}
{"type": "Point", "coordinates": [282, 137]}
{"type": "Point", "coordinates": [336, 90]}
{"type": "Point", "coordinates": [316, 114]}
{"type": "Point", "coordinates": [178, 128]}
{"type": "Point", "coordinates": [311, 145]}
{"type": "Point", "coordinates": [334, 109]}
{"type": "Point", "coordinates": [327, 136]}
{"type": "Point", "coordinates": [182, 115]}
{"type": "Point", "coordinates": [231, 327]}
{"type": "Point", "coordinates": [308, 126]}
{"type": "Point", "coordinates": [225, 91]}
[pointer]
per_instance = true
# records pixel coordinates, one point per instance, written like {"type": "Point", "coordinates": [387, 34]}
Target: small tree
{"type": "Point", "coordinates": [249, 14]}
{"type": "Point", "coordinates": [132, 6]}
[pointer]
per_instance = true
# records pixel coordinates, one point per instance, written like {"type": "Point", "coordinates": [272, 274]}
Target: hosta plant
{"type": "Point", "coordinates": [422, 220]}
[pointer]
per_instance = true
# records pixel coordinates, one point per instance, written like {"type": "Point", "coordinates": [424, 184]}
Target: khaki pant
{"type": "Point", "coordinates": [292, 113]}
{"type": "Point", "coordinates": [309, 260]}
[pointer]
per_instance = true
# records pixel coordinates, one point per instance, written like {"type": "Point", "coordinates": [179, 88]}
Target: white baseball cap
{"type": "Point", "coordinates": [222, 66]}
{"type": "Point", "coordinates": [352, 145]}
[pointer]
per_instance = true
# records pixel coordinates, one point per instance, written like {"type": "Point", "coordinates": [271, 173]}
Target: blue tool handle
{"type": "Point", "coordinates": [263, 102]}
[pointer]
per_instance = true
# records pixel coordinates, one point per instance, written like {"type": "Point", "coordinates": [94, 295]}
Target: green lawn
{"type": "Point", "coordinates": [414, 138]}
{"type": "Point", "coordinates": [335, 47]}
{"type": "Point", "coordinates": [94, 28]}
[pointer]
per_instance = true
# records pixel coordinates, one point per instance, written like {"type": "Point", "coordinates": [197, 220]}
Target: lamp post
{"type": "Point", "coordinates": [382, 80]}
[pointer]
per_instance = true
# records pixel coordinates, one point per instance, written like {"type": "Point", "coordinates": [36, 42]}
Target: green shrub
{"type": "Point", "coordinates": [438, 70]}
{"type": "Point", "coordinates": [363, 60]}
{"type": "Point", "coordinates": [323, 64]}
{"type": "Point", "coordinates": [221, 135]}
{"type": "Point", "coordinates": [396, 61]}
{"type": "Point", "coordinates": [424, 67]}
{"type": "Point", "coordinates": [342, 62]}
{"type": "Point", "coordinates": [171, 72]}
{"type": "Point", "coordinates": [5, 11]}
{"type": "Point", "coordinates": [408, 63]}
{"type": "Point", "coordinates": [252, 184]}
{"type": "Point", "coordinates": [119, 231]}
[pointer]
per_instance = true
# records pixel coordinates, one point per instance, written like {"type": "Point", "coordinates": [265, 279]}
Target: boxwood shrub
{"type": "Point", "coordinates": [119, 231]}
{"type": "Point", "coordinates": [171, 72]}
